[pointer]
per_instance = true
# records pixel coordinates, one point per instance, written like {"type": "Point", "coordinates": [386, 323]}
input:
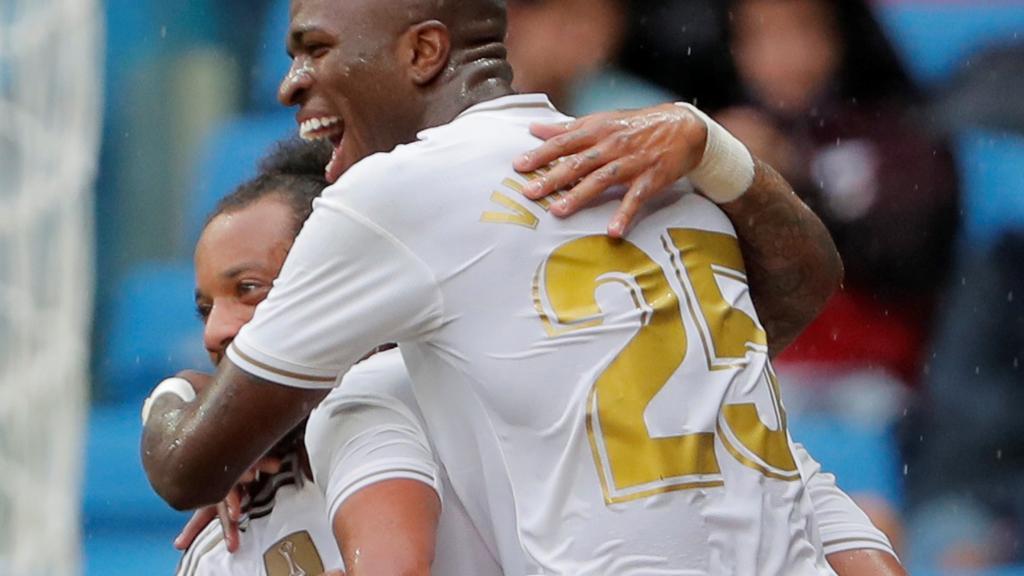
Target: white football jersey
{"type": "Point", "coordinates": [843, 526]}
{"type": "Point", "coordinates": [286, 533]}
{"type": "Point", "coordinates": [369, 430]}
{"type": "Point", "coordinates": [601, 406]}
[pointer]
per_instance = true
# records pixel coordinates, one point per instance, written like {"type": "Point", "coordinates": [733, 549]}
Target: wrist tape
{"type": "Point", "coordinates": [726, 170]}
{"type": "Point", "coordinates": [177, 386]}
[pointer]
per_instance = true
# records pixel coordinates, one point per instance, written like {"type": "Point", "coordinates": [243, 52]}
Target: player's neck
{"type": "Point", "coordinates": [468, 86]}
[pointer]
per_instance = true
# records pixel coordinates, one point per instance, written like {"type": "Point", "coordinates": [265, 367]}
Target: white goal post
{"type": "Point", "coordinates": [50, 108]}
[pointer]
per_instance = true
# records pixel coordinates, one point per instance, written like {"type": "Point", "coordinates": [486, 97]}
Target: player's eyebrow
{"type": "Point", "coordinates": [237, 269]}
{"type": "Point", "coordinates": [297, 34]}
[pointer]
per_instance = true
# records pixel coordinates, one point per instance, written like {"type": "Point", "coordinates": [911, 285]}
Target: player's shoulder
{"type": "Point", "coordinates": [380, 381]}
{"type": "Point", "coordinates": [484, 136]}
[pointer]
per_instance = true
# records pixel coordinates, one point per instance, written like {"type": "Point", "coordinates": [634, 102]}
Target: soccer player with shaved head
{"type": "Point", "coordinates": [603, 405]}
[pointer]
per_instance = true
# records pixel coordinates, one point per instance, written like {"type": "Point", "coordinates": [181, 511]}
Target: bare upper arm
{"type": "Point", "coordinates": [388, 528]}
{"type": "Point", "coordinates": [865, 562]}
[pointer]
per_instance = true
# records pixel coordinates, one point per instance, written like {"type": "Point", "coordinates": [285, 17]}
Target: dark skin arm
{"type": "Point", "coordinates": [388, 528]}
{"type": "Point", "coordinates": [195, 452]}
{"type": "Point", "coordinates": [792, 264]}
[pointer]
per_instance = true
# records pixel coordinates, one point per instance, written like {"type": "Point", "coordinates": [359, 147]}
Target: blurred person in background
{"type": "Point", "coordinates": [966, 466]}
{"type": "Point", "coordinates": [966, 452]}
{"type": "Point", "coordinates": [827, 102]}
{"type": "Point", "coordinates": [568, 50]}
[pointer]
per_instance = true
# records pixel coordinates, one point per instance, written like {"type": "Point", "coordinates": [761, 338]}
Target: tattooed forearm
{"type": "Point", "coordinates": [792, 264]}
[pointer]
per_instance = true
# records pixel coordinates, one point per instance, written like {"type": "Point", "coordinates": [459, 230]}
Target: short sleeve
{"type": "Point", "coordinates": [346, 287]}
{"type": "Point", "coordinates": [362, 440]}
{"type": "Point", "coordinates": [841, 523]}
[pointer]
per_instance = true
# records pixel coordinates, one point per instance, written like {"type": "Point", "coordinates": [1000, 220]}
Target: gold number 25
{"type": "Point", "coordinates": [630, 462]}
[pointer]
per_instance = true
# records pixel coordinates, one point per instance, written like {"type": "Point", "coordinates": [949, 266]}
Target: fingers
{"type": "Point", "coordinates": [549, 131]}
{"type": "Point", "coordinates": [195, 525]}
{"type": "Point", "coordinates": [269, 465]}
{"type": "Point", "coordinates": [639, 192]}
{"type": "Point", "coordinates": [228, 526]}
{"type": "Point", "coordinates": [567, 138]}
{"type": "Point", "coordinates": [565, 173]}
{"type": "Point", "coordinates": [592, 186]}
{"type": "Point", "coordinates": [266, 465]}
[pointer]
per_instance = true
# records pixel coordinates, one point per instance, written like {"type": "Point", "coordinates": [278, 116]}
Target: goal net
{"type": "Point", "coordinates": [50, 108]}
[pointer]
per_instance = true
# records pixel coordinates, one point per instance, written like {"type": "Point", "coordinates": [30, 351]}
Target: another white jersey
{"type": "Point", "coordinates": [843, 526]}
{"type": "Point", "coordinates": [286, 534]}
{"type": "Point", "coordinates": [369, 430]}
{"type": "Point", "coordinates": [601, 406]}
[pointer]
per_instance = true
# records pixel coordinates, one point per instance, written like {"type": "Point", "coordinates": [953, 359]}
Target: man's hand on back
{"type": "Point", "coordinates": [792, 263]}
{"type": "Point", "coordinates": [646, 150]}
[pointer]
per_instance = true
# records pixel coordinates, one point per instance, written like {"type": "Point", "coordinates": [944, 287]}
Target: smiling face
{"type": "Point", "coordinates": [237, 259]}
{"type": "Point", "coordinates": [347, 79]}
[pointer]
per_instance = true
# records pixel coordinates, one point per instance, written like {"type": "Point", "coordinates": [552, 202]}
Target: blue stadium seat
{"type": "Point", "coordinates": [127, 529]}
{"type": "Point", "coordinates": [864, 459]}
{"type": "Point", "coordinates": [153, 331]}
{"type": "Point", "coordinates": [991, 166]}
{"type": "Point", "coordinates": [935, 38]}
{"type": "Point", "coordinates": [228, 158]}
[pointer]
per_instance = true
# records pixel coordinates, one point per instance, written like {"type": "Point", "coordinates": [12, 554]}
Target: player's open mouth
{"type": "Point", "coordinates": [329, 128]}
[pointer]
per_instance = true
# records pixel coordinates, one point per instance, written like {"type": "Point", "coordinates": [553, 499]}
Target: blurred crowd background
{"type": "Point", "coordinates": [900, 122]}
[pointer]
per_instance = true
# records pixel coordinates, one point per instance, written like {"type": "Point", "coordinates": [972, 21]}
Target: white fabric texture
{"type": "Point", "coordinates": [432, 246]}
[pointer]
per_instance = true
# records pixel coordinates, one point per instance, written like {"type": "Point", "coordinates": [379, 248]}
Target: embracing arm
{"type": "Point", "coordinates": [325, 311]}
{"type": "Point", "coordinates": [194, 452]}
{"type": "Point", "coordinates": [792, 264]}
{"type": "Point", "coordinates": [791, 261]}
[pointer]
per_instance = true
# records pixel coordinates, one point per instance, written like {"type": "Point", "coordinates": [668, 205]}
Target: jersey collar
{"type": "Point", "coordinates": [511, 102]}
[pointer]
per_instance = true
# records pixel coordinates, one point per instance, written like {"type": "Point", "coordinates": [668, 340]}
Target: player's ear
{"type": "Point", "coordinates": [428, 47]}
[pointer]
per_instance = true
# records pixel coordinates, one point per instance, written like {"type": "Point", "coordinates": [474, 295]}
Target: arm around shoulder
{"type": "Point", "coordinates": [792, 263]}
{"type": "Point", "coordinates": [194, 452]}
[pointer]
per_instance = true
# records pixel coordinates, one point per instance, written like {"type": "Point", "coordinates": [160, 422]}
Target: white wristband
{"type": "Point", "coordinates": [727, 169]}
{"type": "Point", "coordinates": [177, 386]}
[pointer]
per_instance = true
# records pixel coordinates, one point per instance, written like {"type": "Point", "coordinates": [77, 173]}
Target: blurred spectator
{"type": "Point", "coordinates": [827, 102]}
{"type": "Point", "coordinates": [568, 49]}
{"type": "Point", "coordinates": [680, 45]}
{"type": "Point", "coordinates": [966, 476]}
{"type": "Point", "coordinates": [966, 453]}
